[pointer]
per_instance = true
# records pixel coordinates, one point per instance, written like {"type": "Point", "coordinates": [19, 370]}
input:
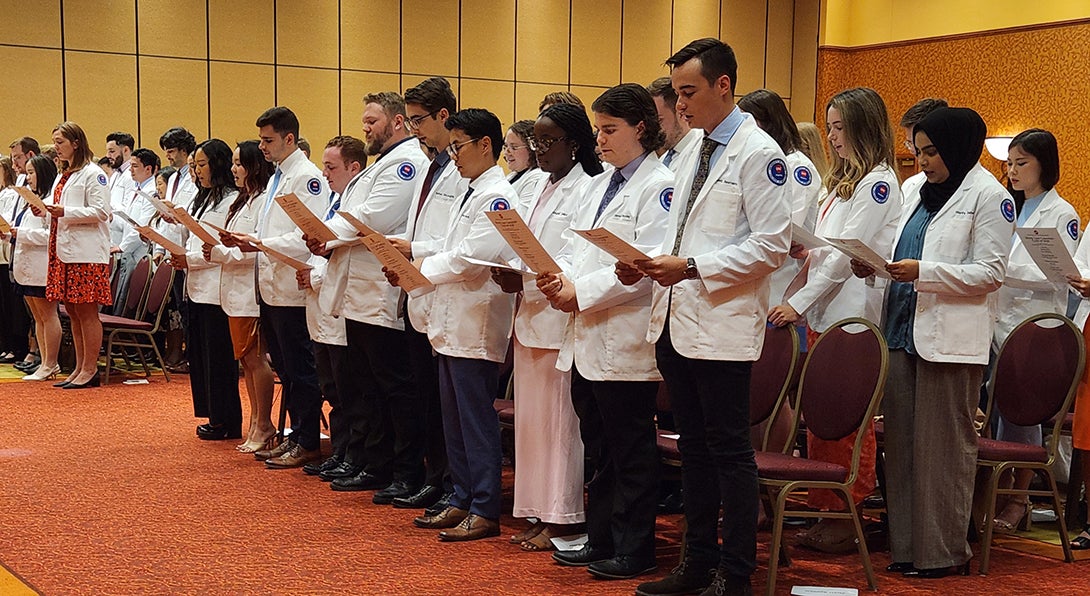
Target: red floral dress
{"type": "Point", "coordinates": [74, 282]}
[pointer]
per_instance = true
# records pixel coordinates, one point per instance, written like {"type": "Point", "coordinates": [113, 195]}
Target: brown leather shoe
{"type": "Point", "coordinates": [447, 518]}
{"type": "Point", "coordinates": [473, 527]}
{"type": "Point", "coordinates": [277, 451]}
{"type": "Point", "coordinates": [296, 458]}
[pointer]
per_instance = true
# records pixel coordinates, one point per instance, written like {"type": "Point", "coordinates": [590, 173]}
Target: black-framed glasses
{"type": "Point", "coordinates": [454, 148]}
{"type": "Point", "coordinates": [542, 145]}
{"type": "Point", "coordinates": [414, 122]}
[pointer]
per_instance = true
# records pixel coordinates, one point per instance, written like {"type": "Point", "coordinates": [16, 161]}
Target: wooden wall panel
{"type": "Point", "coordinates": [307, 33]}
{"type": "Point", "coordinates": [429, 37]}
{"type": "Point", "coordinates": [40, 27]}
{"type": "Point", "coordinates": [497, 97]}
{"type": "Point", "coordinates": [39, 106]}
{"type": "Point", "coordinates": [488, 39]}
{"type": "Point", "coordinates": [239, 93]}
{"type": "Point", "coordinates": [744, 29]}
{"type": "Point", "coordinates": [244, 31]}
{"type": "Point", "coordinates": [167, 88]}
{"type": "Point", "coordinates": [313, 95]}
{"type": "Point", "coordinates": [103, 26]}
{"type": "Point", "coordinates": [172, 27]}
{"type": "Point", "coordinates": [595, 42]}
{"type": "Point", "coordinates": [643, 53]}
{"type": "Point", "coordinates": [101, 91]}
{"type": "Point", "coordinates": [543, 28]}
{"type": "Point", "coordinates": [370, 37]}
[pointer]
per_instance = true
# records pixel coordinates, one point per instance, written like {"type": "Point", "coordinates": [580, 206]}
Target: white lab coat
{"type": "Point", "coordinates": [525, 185]}
{"type": "Point", "coordinates": [323, 327]}
{"type": "Point", "coordinates": [804, 185]}
{"type": "Point", "coordinates": [471, 316]}
{"type": "Point", "coordinates": [1082, 261]}
{"type": "Point", "coordinates": [202, 280]}
{"type": "Point", "coordinates": [964, 260]}
{"type": "Point", "coordinates": [537, 323]}
{"type": "Point", "coordinates": [10, 202]}
{"type": "Point", "coordinates": [354, 285]}
{"type": "Point", "coordinates": [686, 149]}
{"type": "Point", "coordinates": [825, 291]}
{"type": "Point", "coordinates": [186, 192]}
{"type": "Point", "coordinates": [121, 187]}
{"type": "Point", "coordinates": [738, 232]}
{"type": "Point", "coordinates": [237, 296]}
{"type": "Point", "coordinates": [30, 264]}
{"type": "Point", "coordinates": [1026, 291]}
{"type": "Point", "coordinates": [277, 285]}
{"type": "Point", "coordinates": [140, 210]}
{"type": "Point", "coordinates": [428, 232]}
{"type": "Point", "coordinates": [605, 338]}
{"type": "Point", "coordinates": [83, 233]}
{"type": "Point", "coordinates": [911, 185]}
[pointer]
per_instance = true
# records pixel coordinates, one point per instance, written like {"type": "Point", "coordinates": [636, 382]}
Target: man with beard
{"type": "Point", "coordinates": [385, 450]}
{"type": "Point", "coordinates": [22, 149]}
{"type": "Point", "coordinates": [119, 146]}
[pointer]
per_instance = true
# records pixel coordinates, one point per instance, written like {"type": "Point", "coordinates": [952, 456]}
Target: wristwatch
{"type": "Point", "coordinates": [690, 269]}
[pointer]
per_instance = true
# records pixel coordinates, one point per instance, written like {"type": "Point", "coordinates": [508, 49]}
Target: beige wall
{"type": "Point", "coordinates": [213, 66]}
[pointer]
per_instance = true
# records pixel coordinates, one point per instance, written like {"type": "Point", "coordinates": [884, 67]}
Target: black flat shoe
{"type": "Point", "coordinates": [424, 498]}
{"type": "Point", "coordinates": [938, 573]}
{"type": "Point", "coordinates": [583, 557]}
{"type": "Point", "coordinates": [218, 432]}
{"type": "Point", "coordinates": [900, 567]}
{"type": "Point", "coordinates": [92, 382]}
{"type": "Point", "coordinates": [62, 384]}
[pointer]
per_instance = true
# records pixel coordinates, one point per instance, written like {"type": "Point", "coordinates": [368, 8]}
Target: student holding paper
{"type": "Point", "coordinates": [864, 204]}
{"type": "Point", "coordinates": [79, 249]}
{"type": "Point", "coordinates": [143, 166]}
{"type": "Point", "coordinates": [549, 485]}
{"type": "Point", "coordinates": [949, 256]}
{"type": "Point", "coordinates": [1033, 169]}
{"type": "Point", "coordinates": [614, 376]}
{"type": "Point", "coordinates": [30, 264]}
{"type": "Point", "coordinates": [237, 296]}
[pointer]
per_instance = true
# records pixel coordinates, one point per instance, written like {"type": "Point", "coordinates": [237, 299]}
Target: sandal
{"type": "Point", "coordinates": [1082, 541]}
{"type": "Point", "coordinates": [542, 542]}
{"type": "Point", "coordinates": [1002, 526]}
{"type": "Point", "coordinates": [528, 533]}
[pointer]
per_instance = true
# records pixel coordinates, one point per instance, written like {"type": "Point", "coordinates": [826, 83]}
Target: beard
{"type": "Point", "coordinates": [376, 142]}
{"type": "Point", "coordinates": [116, 162]}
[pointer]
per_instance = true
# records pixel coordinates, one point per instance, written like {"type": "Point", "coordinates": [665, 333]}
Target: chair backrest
{"type": "Point", "coordinates": [843, 379]}
{"type": "Point", "coordinates": [158, 294]}
{"type": "Point", "coordinates": [771, 376]}
{"type": "Point", "coordinates": [1037, 371]}
{"type": "Point", "coordinates": [138, 287]}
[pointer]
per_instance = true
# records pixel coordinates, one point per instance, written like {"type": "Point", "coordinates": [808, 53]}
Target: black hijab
{"type": "Point", "coordinates": [958, 135]}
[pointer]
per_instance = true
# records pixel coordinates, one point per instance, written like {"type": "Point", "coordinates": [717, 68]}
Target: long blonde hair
{"type": "Point", "coordinates": [869, 136]}
{"type": "Point", "coordinates": [813, 146]}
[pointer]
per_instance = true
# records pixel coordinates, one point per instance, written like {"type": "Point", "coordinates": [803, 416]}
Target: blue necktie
{"type": "Point", "coordinates": [669, 157]}
{"type": "Point", "coordinates": [334, 206]}
{"type": "Point", "coordinates": [615, 182]}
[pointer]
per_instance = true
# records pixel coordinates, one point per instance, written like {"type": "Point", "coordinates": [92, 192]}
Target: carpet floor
{"type": "Point", "coordinates": [109, 491]}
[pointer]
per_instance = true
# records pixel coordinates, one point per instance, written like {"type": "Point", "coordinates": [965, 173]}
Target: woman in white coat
{"type": "Point", "coordinates": [79, 249]}
{"type": "Point", "coordinates": [1033, 168]}
{"type": "Point", "coordinates": [213, 369]}
{"type": "Point", "coordinates": [949, 257]}
{"type": "Point", "coordinates": [549, 485]}
{"type": "Point", "coordinates": [521, 160]}
{"type": "Point", "coordinates": [30, 262]}
{"type": "Point", "coordinates": [615, 378]}
{"type": "Point", "coordinates": [864, 204]}
{"type": "Point", "coordinates": [238, 298]}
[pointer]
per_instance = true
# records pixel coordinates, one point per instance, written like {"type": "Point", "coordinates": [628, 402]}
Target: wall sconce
{"type": "Point", "coordinates": [997, 147]}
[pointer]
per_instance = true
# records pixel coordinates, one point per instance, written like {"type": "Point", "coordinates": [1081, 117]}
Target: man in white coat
{"type": "Point", "coordinates": [283, 304]}
{"type": "Point", "coordinates": [470, 327]}
{"type": "Point", "coordinates": [682, 141]}
{"type": "Point", "coordinates": [143, 165]}
{"type": "Point", "coordinates": [729, 229]}
{"type": "Point", "coordinates": [22, 149]}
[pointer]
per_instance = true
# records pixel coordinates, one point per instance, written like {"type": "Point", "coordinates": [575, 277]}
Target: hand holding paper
{"type": "Point", "coordinates": [614, 245]}
{"type": "Point", "coordinates": [304, 218]}
{"type": "Point", "coordinates": [193, 226]}
{"type": "Point", "coordinates": [1049, 252]}
{"type": "Point", "coordinates": [408, 276]}
{"type": "Point", "coordinates": [859, 251]}
{"type": "Point", "coordinates": [522, 240]}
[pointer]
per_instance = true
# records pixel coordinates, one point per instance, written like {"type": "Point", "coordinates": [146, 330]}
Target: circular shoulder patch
{"type": "Point", "coordinates": [666, 197]}
{"type": "Point", "coordinates": [406, 171]}
{"type": "Point", "coordinates": [102, 179]}
{"type": "Point", "coordinates": [880, 192]}
{"type": "Point", "coordinates": [803, 175]}
{"type": "Point", "coordinates": [1073, 229]}
{"type": "Point", "coordinates": [500, 204]}
{"type": "Point", "coordinates": [314, 186]}
{"type": "Point", "coordinates": [1007, 207]}
{"type": "Point", "coordinates": [777, 171]}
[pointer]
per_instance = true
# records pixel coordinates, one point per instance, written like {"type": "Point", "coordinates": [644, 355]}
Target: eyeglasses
{"type": "Point", "coordinates": [414, 122]}
{"type": "Point", "coordinates": [508, 146]}
{"type": "Point", "coordinates": [542, 145]}
{"type": "Point", "coordinates": [454, 148]}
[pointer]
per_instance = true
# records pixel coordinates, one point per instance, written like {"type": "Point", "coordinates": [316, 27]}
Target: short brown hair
{"type": "Point", "coordinates": [352, 149]}
{"type": "Point", "coordinates": [392, 103]}
{"type": "Point", "coordinates": [26, 144]}
{"type": "Point", "coordinates": [662, 87]}
{"type": "Point", "coordinates": [83, 154]}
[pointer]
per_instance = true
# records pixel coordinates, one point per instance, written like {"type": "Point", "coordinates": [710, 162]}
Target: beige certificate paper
{"type": "Point", "coordinates": [858, 250]}
{"type": "Point", "coordinates": [408, 276]}
{"type": "Point", "coordinates": [193, 226]}
{"type": "Point", "coordinates": [1049, 252]}
{"type": "Point", "coordinates": [148, 232]}
{"type": "Point", "coordinates": [5, 227]}
{"type": "Point", "coordinates": [356, 223]}
{"type": "Point", "coordinates": [31, 198]}
{"type": "Point", "coordinates": [304, 218]}
{"type": "Point", "coordinates": [283, 258]}
{"type": "Point", "coordinates": [800, 235]}
{"type": "Point", "coordinates": [523, 241]}
{"type": "Point", "coordinates": [159, 205]}
{"type": "Point", "coordinates": [614, 245]}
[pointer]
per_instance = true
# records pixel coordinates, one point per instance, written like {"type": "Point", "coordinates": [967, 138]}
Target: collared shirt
{"type": "Point", "coordinates": [630, 168]}
{"type": "Point", "coordinates": [1028, 207]}
{"type": "Point", "coordinates": [724, 132]}
{"type": "Point", "coordinates": [901, 301]}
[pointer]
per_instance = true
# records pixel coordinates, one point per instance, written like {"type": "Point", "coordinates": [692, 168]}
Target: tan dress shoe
{"type": "Point", "coordinates": [447, 518]}
{"type": "Point", "coordinates": [297, 457]}
{"type": "Point", "coordinates": [277, 451]}
{"type": "Point", "coordinates": [473, 527]}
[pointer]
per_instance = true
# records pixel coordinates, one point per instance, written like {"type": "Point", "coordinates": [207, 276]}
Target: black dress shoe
{"type": "Point", "coordinates": [218, 432]}
{"type": "Point", "coordinates": [621, 567]}
{"type": "Point", "coordinates": [94, 382]}
{"type": "Point", "coordinates": [342, 470]}
{"type": "Point", "coordinates": [397, 488]}
{"type": "Point", "coordinates": [939, 572]}
{"type": "Point", "coordinates": [672, 503]}
{"type": "Point", "coordinates": [440, 505]}
{"type": "Point", "coordinates": [582, 557]}
{"type": "Point", "coordinates": [361, 481]}
{"type": "Point", "coordinates": [317, 467]}
{"type": "Point", "coordinates": [426, 497]}
{"type": "Point", "coordinates": [896, 567]}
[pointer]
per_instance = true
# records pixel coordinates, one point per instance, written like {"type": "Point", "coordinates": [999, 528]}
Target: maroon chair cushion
{"type": "Point", "coordinates": [114, 322]}
{"type": "Point", "coordinates": [503, 404]}
{"type": "Point", "coordinates": [777, 466]}
{"type": "Point", "coordinates": [771, 372]}
{"type": "Point", "coordinates": [667, 446]}
{"type": "Point", "coordinates": [842, 371]}
{"type": "Point", "coordinates": [507, 415]}
{"type": "Point", "coordinates": [993, 450]}
{"type": "Point", "coordinates": [1034, 372]}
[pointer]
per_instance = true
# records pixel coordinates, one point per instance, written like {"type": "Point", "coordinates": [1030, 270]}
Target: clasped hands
{"type": "Point", "coordinates": [905, 270]}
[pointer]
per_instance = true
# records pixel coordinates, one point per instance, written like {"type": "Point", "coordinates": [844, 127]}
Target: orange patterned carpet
{"type": "Point", "coordinates": [109, 492]}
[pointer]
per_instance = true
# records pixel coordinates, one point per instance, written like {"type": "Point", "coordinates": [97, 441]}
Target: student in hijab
{"type": "Point", "coordinates": [949, 256]}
